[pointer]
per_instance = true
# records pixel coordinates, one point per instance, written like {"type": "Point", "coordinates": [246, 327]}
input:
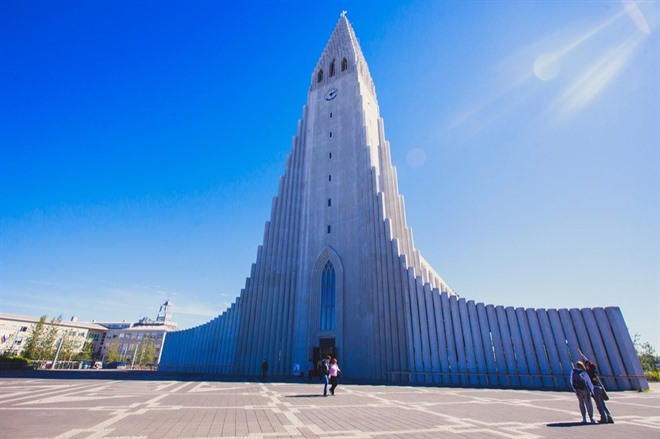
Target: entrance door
{"type": "Point", "coordinates": [327, 347]}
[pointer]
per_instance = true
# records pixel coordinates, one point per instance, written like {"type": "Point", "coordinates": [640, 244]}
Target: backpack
{"type": "Point", "coordinates": [578, 380]}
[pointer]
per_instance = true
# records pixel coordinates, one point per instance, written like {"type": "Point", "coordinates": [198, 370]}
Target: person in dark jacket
{"type": "Point", "coordinates": [599, 391]}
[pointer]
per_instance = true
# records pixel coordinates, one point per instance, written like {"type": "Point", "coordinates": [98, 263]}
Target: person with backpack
{"type": "Point", "coordinates": [583, 388]}
{"type": "Point", "coordinates": [599, 391]}
{"type": "Point", "coordinates": [325, 372]}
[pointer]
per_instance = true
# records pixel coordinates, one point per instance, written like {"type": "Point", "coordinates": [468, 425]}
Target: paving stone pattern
{"type": "Point", "coordinates": [116, 409]}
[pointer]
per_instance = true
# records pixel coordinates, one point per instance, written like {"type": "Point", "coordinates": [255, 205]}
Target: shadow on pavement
{"type": "Point", "coordinates": [568, 424]}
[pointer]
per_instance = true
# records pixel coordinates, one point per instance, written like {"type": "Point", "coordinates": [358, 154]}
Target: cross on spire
{"type": "Point", "coordinates": [343, 14]}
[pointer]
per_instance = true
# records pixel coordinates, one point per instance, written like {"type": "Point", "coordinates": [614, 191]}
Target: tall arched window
{"type": "Point", "coordinates": [328, 287]}
{"type": "Point", "coordinates": [319, 77]}
{"type": "Point", "coordinates": [344, 64]}
{"type": "Point", "coordinates": [332, 68]}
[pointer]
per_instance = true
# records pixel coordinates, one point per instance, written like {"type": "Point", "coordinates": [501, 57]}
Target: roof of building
{"type": "Point", "coordinates": [31, 320]}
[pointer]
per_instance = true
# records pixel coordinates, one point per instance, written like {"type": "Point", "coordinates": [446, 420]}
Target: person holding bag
{"type": "Point", "coordinates": [599, 394]}
{"type": "Point", "coordinates": [334, 373]}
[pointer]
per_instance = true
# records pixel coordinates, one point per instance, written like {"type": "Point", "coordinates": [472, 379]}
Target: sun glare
{"type": "Point", "coordinates": [547, 67]}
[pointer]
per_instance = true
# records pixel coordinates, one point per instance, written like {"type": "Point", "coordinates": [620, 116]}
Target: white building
{"type": "Point", "coordinates": [127, 337]}
{"type": "Point", "coordinates": [16, 329]}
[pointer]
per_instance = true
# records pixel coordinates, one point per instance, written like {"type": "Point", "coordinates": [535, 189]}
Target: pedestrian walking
{"type": "Point", "coordinates": [334, 374]}
{"type": "Point", "coordinates": [325, 372]}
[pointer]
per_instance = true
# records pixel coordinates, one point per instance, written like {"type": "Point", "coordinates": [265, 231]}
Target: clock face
{"type": "Point", "coordinates": [331, 94]}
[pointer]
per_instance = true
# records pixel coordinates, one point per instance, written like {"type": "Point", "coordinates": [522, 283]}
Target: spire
{"type": "Point", "coordinates": [342, 45]}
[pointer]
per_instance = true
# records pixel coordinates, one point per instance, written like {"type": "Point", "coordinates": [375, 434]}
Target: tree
{"type": "Point", "coordinates": [113, 352]}
{"type": "Point", "coordinates": [147, 350]}
{"type": "Point", "coordinates": [647, 357]}
{"type": "Point", "coordinates": [85, 353]}
{"type": "Point", "coordinates": [47, 343]}
{"type": "Point", "coordinates": [34, 340]}
{"type": "Point", "coordinates": [68, 346]}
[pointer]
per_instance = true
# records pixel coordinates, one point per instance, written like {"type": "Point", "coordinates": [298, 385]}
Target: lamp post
{"type": "Point", "coordinates": [134, 355]}
{"type": "Point", "coordinates": [57, 353]}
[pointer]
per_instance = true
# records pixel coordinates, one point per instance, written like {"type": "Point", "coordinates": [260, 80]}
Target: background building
{"type": "Point", "coordinates": [138, 342]}
{"type": "Point", "coordinates": [125, 341]}
{"type": "Point", "coordinates": [15, 330]}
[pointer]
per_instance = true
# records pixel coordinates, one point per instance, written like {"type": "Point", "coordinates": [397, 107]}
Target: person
{"type": "Point", "coordinates": [325, 371]}
{"type": "Point", "coordinates": [583, 389]}
{"type": "Point", "coordinates": [334, 373]}
{"type": "Point", "coordinates": [264, 369]}
{"type": "Point", "coordinates": [599, 391]}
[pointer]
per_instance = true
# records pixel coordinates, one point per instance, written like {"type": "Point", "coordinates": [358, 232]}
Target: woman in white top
{"type": "Point", "coordinates": [334, 373]}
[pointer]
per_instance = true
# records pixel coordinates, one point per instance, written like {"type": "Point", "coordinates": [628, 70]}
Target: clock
{"type": "Point", "coordinates": [331, 94]}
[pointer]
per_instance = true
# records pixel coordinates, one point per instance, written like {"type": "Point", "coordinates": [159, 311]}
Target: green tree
{"type": "Point", "coordinates": [47, 343]}
{"type": "Point", "coordinates": [34, 340]}
{"type": "Point", "coordinates": [112, 353]}
{"type": "Point", "coordinates": [147, 350]}
{"type": "Point", "coordinates": [86, 353]}
{"type": "Point", "coordinates": [647, 357]}
{"type": "Point", "coordinates": [68, 347]}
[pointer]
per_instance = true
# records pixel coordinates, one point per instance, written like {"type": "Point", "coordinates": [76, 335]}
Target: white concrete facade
{"type": "Point", "coordinates": [15, 330]}
{"type": "Point", "coordinates": [338, 272]}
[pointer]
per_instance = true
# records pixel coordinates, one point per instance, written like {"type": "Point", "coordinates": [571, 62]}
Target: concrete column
{"type": "Point", "coordinates": [434, 365]}
{"type": "Point", "coordinates": [507, 345]}
{"type": "Point", "coordinates": [470, 359]}
{"type": "Point", "coordinates": [265, 294]}
{"type": "Point", "coordinates": [528, 346]}
{"type": "Point", "coordinates": [401, 339]}
{"type": "Point", "coordinates": [569, 333]}
{"type": "Point", "coordinates": [612, 349]}
{"type": "Point", "coordinates": [268, 344]}
{"type": "Point", "coordinates": [389, 259]}
{"type": "Point", "coordinates": [405, 297]}
{"type": "Point", "coordinates": [380, 281]}
{"type": "Point", "coordinates": [490, 367]}
{"type": "Point", "coordinates": [441, 338]}
{"type": "Point", "coordinates": [551, 348]}
{"type": "Point", "coordinates": [539, 348]}
{"type": "Point", "coordinates": [626, 348]}
{"type": "Point", "coordinates": [562, 347]}
{"type": "Point", "coordinates": [599, 348]}
{"type": "Point", "coordinates": [447, 317]}
{"type": "Point", "coordinates": [414, 318]}
{"type": "Point", "coordinates": [461, 366]}
{"type": "Point", "coordinates": [477, 341]}
{"type": "Point", "coordinates": [518, 349]}
{"type": "Point", "coordinates": [424, 330]}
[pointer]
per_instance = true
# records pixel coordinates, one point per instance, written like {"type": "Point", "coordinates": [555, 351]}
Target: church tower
{"type": "Point", "coordinates": [338, 272]}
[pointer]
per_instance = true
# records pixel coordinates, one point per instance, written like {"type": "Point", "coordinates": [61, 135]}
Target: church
{"type": "Point", "coordinates": [338, 273]}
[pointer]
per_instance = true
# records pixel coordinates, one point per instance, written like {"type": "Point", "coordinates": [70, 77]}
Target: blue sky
{"type": "Point", "coordinates": [141, 144]}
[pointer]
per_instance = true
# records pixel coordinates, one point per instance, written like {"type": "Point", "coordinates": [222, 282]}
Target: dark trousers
{"type": "Point", "coordinates": [333, 380]}
{"type": "Point", "coordinates": [600, 404]}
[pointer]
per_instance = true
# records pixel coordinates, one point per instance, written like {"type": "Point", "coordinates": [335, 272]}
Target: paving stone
{"type": "Point", "coordinates": [116, 409]}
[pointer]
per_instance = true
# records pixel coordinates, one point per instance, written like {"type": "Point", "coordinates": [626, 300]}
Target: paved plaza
{"type": "Point", "coordinates": [136, 409]}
